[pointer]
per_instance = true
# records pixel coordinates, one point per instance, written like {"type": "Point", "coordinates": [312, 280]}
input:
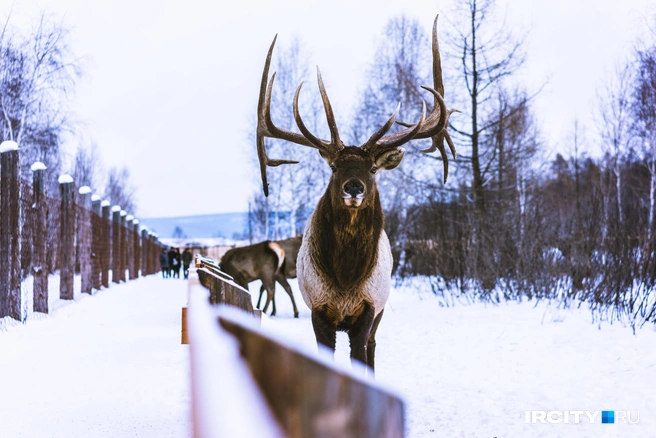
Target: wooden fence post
{"type": "Point", "coordinates": [84, 238]}
{"type": "Point", "coordinates": [123, 245]}
{"type": "Point", "coordinates": [106, 246]}
{"type": "Point", "coordinates": [137, 248]}
{"type": "Point", "coordinates": [151, 252]}
{"type": "Point", "coordinates": [116, 244]}
{"type": "Point", "coordinates": [129, 250]}
{"type": "Point", "coordinates": [10, 293]}
{"type": "Point", "coordinates": [67, 237]}
{"type": "Point", "coordinates": [96, 242]}
{"type": "Point", "coordinates": [144, 252]}
{"type": "Point", "coordinates": [156, 250]}
{"type": "Point", "coordinates": [40, 236]}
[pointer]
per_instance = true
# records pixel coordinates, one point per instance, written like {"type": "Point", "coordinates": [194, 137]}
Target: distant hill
{"type": "Point", "coordinates": [228, 225]}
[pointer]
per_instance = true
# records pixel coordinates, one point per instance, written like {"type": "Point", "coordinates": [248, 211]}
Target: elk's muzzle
{"type": "Point", "coordinates": [353, 192]}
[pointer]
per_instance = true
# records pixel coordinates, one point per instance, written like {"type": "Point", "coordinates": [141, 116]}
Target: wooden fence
{"type": "Point", "coordinates": [70, 232]}
{"type": "Point", "coordinates": [247, 383]}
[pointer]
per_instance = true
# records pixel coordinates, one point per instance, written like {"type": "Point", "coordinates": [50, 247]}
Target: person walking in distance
{"type": "Point", "coordinates": [187, 257]}
{"type": "Point", "coordinates": [164, 263]}
{"type": "Point", "coordinates": [175, 263]}
{"type": "Point", "coordinates": [171, 255]}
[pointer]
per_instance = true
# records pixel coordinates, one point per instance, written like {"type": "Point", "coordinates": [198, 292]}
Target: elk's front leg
{"type": "Point", "coordinates": [324, 328]}
{"type": "Point", "coordinates": [359, 333]}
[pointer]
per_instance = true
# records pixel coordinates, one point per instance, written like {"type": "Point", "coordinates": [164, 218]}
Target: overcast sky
{"type": "Point", "coordinates": [170, 86]}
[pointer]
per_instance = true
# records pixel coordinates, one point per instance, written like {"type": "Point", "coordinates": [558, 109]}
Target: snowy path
{"type": "Point", "coordinates": [110, 365]}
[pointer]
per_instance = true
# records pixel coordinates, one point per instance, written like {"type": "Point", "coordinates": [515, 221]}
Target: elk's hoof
{"type": "Point", "coordinates": [295, 314]}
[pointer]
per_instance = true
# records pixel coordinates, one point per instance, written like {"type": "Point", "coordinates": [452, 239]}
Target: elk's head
{"type": "Point", "coordinates": [353, 182]}
{"type": "Point", "coordinates": [354, 167]}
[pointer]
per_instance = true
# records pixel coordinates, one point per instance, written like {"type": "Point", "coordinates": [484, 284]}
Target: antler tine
{"type": "Point", "coordinates": [266, 127]}
{"type": "Point", "coordinates": [383, 129]}
{"type": "Point", "coordinates": [318, 143]}
{"type": "Point", "coordinates": [398, 138]}
{"type": "Point", "coordinates": [438, 84]}
{"type": "Point", "coordinates": [332, 125]}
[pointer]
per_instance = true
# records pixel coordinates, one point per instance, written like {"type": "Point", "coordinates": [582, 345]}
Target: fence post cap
{"type": "Point", "coordinates": [104, 203]}
{"type": "Point", "coordinates": [65, 179]}
{"type": "Point", "coordinates": [124, 213]}
{"type": "Point", "coordinates": [38, 166]}
{"type": "Point", "coordinates": [96, 198]}
{"type": "Point", "coordinates": [8, 145]}
{"type": "Point", "coordinates": [84, 190]}
{"type": "Point", "coordinates": [116, 208]}
{"type": "Point", "coordinates": [129, 218]}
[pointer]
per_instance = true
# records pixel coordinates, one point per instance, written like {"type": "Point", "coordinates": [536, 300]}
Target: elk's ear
{"type": "Point", "coordinates": [390, 158]}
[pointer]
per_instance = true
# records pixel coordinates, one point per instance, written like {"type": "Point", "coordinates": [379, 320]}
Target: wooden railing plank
{"type": "Point", "coordinates": [310, 397]}
{"type": "Point", "coordinates": [226, 402]}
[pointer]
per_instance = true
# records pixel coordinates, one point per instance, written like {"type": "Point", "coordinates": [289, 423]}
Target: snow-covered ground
{"type": "Point", "coordinates": [474, 371]}
{"type": "Point", "coordinates": [112, 365]}
{"type": "Point", "coordinates": [108, 365]}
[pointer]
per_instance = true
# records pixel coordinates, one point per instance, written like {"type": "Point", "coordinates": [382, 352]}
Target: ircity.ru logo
{"type": "Point", "coordinates": [606, 417]}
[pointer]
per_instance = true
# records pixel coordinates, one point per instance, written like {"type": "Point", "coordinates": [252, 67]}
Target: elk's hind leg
{"type": "Point", "coordinates": [270, 287]}
{"type": "Point", "coordinates": [259, 300]}
{"type": "Point", "coordinates": [288, 289]}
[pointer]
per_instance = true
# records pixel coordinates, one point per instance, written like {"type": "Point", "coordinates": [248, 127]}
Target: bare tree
{"type": "Point", "coordinates": [399, 65]}
{"type": "Point", "coordinates": [87, 166]}
{"type": "Point", "coordinates": [37, 73]}
{"type": "Point", "coordinates": [119, 190]}
{"type": "Point", "coordinates": [489, 54]}
{"type": "Point", "coordinates": [644, 110]}
{"type": "Point", "coordinates": [614, 124]}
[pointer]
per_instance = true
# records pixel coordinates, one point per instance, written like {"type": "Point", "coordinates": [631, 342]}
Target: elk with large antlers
{"type": "Point", "coordinates": [345, 263]}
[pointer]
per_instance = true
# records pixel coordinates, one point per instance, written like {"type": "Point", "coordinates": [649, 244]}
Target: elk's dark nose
{"type": "Point", "coordinates": [353, 187]}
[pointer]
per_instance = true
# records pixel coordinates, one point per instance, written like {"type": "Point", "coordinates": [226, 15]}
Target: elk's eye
{"type": "Point", "coordinates": [333, 168]}
{"type": "Point", "coordinates": [374, 170]}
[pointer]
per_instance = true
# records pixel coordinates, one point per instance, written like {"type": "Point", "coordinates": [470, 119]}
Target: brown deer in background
{"type": "Point", "coordinates": [287, 270]}
{"type": "Point", "coordinates": [345, 261]}
{"type": "Point", "coordinates": [262, 261]}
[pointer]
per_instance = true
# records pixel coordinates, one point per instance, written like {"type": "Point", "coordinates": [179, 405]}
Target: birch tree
{"type": "Point", "coordinates": [37, 73]}
{"type": "Point", "coordinates": [644, 109]}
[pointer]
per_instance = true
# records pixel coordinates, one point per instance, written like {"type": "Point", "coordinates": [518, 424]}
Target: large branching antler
{"type": "Point", "coordinates": [266, 127]}
{"type": "Point", "coordinates": [438, 132]}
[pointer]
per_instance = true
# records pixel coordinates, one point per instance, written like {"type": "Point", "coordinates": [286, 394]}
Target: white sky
{"type": "Point", "coordinates": [171, 87]}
